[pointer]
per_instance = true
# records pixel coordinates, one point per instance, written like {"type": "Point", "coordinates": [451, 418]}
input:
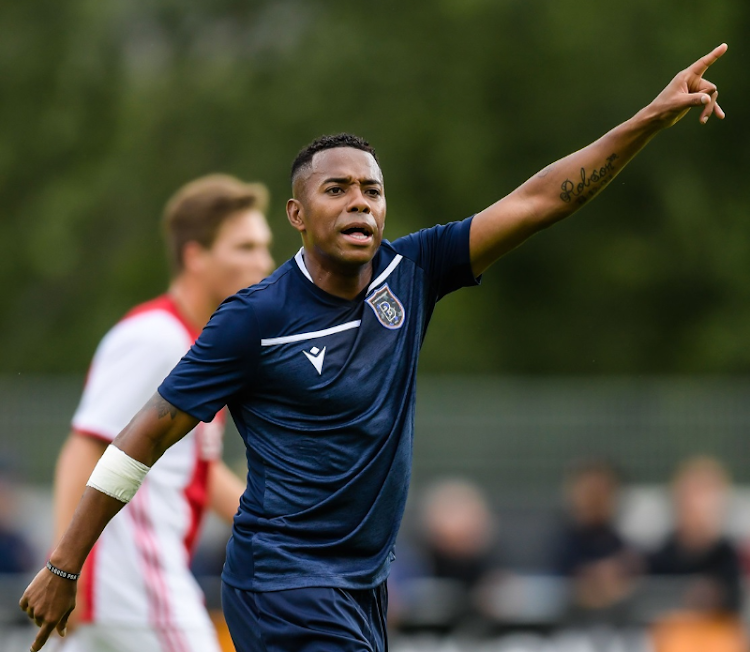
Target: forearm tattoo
{"type": "Point", "coordinates": [590, 183]}
{"type": "Point", "coordinates": [162, 407]}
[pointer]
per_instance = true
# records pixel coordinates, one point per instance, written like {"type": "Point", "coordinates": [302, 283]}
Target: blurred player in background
{"type": "Point", "coordinates": [136, 593]}
{"type": "Point", "coordinates": [318, 366]}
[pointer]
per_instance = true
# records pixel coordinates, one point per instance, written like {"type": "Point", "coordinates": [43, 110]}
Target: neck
{"type": "Point", "coordinates": [346, 283]}
{"type": "Point", "coordinates": [696, 538]}
{"type": "Point", "coordinates": [192, 303]}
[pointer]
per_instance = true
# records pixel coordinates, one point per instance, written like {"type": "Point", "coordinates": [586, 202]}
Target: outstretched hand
{"type": "Point", "coordinates": [48, 601]}
{"type": "Point", "coordinates": [689, 89]}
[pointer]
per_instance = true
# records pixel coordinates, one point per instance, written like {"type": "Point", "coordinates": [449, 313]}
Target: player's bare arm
{"type": "Point", "coordinates": [153, 430]}
{"type": "Point", "coordinates": [77, 460]}
{"type": "Point", "coordinates": [50, 599]}
{"type": "Point", "coordinates": [75, 463]}
{"type": "Point", "coordinates": [564, 186]}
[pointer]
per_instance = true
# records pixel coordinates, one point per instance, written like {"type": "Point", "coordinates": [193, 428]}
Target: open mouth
{"type": "Point", "coordinates": [358, 232]}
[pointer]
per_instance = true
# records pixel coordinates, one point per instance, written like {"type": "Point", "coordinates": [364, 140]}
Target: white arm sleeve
{"type": "Point", "coordinates": [128, 366]}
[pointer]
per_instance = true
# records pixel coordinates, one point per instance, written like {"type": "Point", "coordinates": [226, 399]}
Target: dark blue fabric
{"type": "Point", "coordinates": [307, 620]}
{"type": "Point", "coordinates": [329, 450]}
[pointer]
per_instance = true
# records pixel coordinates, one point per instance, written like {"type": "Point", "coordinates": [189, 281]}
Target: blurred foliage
{"type": "Point", "coordinates": [109, 106]}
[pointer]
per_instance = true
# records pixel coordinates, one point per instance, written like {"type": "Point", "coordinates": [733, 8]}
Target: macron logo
{"type": "Point", "coordinates": [315, 355]}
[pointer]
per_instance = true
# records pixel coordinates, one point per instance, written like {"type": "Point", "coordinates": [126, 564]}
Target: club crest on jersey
{"type": "Point", "coordinates": [388, 309]}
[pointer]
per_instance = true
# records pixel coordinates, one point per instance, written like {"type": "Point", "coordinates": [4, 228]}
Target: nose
{"type": "Point", "coordinates": [359, 203]}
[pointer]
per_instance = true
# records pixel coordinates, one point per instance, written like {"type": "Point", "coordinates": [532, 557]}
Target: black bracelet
{"type": "Point", "coordinates": [61, 573]}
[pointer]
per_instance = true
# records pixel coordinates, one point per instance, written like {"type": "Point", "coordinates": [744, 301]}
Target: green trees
{"type": "Point", "coordinates": [108, 107]}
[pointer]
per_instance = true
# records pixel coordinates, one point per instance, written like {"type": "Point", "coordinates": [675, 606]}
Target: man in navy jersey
{"type": "Point", "coordinates": [318, 365]}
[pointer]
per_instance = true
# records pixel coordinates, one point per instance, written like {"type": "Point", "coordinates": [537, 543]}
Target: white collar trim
{"type": "Point", "coordinates": [300, 260]}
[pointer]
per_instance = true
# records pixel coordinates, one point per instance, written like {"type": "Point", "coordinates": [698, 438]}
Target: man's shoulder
{"type": "Point", "coordinates": [160, 311]}
{"type": "Point", "coordinates": [268, 301]}
{"type": "Point", "coordinates": [402, 247]}
{"type": "Point", "coordinates": [272, 291]}
{"type": "Point", "coordinates": [153, 325]}
{"type": "Point", "coordinates": [412, 244]}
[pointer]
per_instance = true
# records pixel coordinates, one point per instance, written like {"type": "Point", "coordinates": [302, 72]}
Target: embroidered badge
{"type": "Point", "coordinates": [387, 307]}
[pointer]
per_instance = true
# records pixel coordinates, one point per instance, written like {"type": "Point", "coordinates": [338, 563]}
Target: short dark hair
{"type": "Point", "coordinates": [197, 210]}
{"type": "Point", "coordinates": [601, 466]}
{"type": "Point", "coordinates": [305, 156]}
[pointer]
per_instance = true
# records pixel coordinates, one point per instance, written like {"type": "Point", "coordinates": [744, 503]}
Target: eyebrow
{"type": "Point", "coordinates": [346, 180]}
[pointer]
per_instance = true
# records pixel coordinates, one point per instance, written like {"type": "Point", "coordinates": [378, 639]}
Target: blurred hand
{"type": "Point", "coordinates": [48, 601]}
{"type": "Point", "coordinates": [689, 89]}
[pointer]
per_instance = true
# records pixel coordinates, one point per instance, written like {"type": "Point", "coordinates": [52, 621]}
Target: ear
{"type": "Point", "coordinates": [295, 213]}
{"type": "Point", "coordinates": [192, 255]}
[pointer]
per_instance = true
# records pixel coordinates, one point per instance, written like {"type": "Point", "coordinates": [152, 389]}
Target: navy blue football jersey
{"type": "Point", "coordinates": [322, 390]}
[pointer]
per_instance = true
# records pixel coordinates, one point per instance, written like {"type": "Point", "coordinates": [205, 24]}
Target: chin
{"type": "Point", "coordinates": [358, 258]}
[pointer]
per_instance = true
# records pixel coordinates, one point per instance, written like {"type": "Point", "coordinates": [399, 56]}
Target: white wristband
{"type": "Point", "coordinates": [117, 474]}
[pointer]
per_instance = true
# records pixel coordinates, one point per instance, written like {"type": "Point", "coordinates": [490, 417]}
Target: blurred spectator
{"type": "Point", "coordinates": [709, 601]}
{"type": "Point", "coordinates": [589, 549]}
{"type": "Point", "coordinates": [17, 555]}
{"type": "Point", "coordinates": [442, 580]}
{"type": "Point", "coordinates": [697, 548]}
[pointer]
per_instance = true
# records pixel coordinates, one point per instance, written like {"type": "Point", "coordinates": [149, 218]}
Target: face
{"type": "Point", "coordinates": [339, 208]}
{"type": "Point", "coordinates": [700, 497]}
{"type": "Point", "coordinates": [239, 256]}
{"type": "Point", "coordinates": [593, 498]}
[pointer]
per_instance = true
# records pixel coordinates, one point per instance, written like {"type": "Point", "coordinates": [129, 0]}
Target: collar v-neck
{"type": "Point", "coordinates": [299, 258]}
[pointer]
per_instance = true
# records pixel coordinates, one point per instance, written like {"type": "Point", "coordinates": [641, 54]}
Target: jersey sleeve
{"type": "Point", "coordinates": [129, 363]}
{"type": "Point", "coordinates": [220, 364]}
{"type": "Point", "coordinates": [442, 251]}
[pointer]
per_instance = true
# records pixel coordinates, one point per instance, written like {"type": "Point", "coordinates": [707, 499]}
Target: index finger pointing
{"type": "Point", "coordinates": [700, 66]}
{"type": "Point", "coordinates": [42, 637]}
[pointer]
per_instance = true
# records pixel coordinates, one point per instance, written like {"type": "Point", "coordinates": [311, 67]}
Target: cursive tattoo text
{"type": "Point", "coordinates": [587, 187]}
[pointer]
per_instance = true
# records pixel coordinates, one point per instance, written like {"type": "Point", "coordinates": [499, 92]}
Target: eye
{"type": "Point", "coordinates": [373, 192]}
{"type": "Point", "coordinates": [335, 190]}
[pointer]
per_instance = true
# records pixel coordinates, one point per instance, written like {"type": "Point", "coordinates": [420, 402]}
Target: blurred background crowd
{"type": "Point", "coordinates": [565, 515]}
{"type": "Point", "coordinates": [581, 480]}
